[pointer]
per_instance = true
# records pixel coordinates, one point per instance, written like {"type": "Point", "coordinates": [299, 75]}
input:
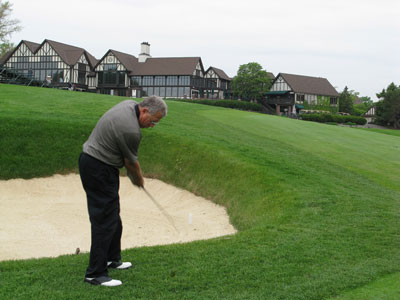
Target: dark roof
{"type": "Point", "coordinates": [5, 57]}
{"type": "Point", "coordinates": [221, 74]}
{"type": "Point", "coordinates": [271, 75]}
{"type": "Point", "coordinates": [129, 61]}
{"type": "Point", "coordinates": [31, 45]}
{"type": "Point", "coordinates": [309, 85]}
{"type": "Point", "coordinates": [70, 54]}
{"type": "Point", "coordinates": [167, 66]}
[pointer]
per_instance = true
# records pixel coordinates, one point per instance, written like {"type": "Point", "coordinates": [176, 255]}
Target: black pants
{"type": "Point", "coordinates": [101, 184]}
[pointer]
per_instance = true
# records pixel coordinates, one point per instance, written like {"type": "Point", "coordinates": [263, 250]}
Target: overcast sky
{"type": "Point", "coordinates": [349, 42]}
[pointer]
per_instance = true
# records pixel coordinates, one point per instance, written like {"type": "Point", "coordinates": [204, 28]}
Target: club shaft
{"type": "Point", "coordinates": [169, 218]}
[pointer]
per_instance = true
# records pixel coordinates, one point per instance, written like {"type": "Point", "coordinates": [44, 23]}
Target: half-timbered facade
{"type": "Point", "coordinates": [112, 73]}
{"type": "Point", "coordinates": [370, 114]}
{"type": "Point", "coordinates": [50, 62]}
{"type": "Point", "coordinates": [291, 93]}
{"type": "Point", "coordinates": [217, 84]}
{"type": "Point", "coordinates": [116, 73]}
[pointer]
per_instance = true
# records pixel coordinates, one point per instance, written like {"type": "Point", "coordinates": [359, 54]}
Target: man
{"type": "Point", "coordinates": [113, 143]}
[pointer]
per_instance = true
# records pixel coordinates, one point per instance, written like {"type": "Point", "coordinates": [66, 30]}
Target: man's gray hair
{"type": "Point", "coordinates": [155, 104]}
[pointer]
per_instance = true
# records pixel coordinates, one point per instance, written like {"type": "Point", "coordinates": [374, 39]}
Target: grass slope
{"type": "Point", "coordinates": [317, 206]}
{"type": "Point", "coordinates": [386, 288]}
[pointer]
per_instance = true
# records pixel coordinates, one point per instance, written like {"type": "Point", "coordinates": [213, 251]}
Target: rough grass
{"type": "Point", "coordinates": [317, 206]}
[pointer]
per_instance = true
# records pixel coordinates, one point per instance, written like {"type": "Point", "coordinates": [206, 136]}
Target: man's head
{"type": "Point", "coordinates": [152, 110]}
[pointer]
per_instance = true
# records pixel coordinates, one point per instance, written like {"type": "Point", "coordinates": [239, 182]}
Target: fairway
{"type": "Point", "coordinates": [317, 206]}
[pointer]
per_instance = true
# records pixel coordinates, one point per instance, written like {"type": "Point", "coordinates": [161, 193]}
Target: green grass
{"type": "Point", "coordinates": [394, 132]}
{"type": "Point", "coordinates": [317, 206]}
{"type": "Point", "coordinates": [386, 288]}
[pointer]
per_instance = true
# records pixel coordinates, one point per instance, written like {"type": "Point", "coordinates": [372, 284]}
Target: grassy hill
{"type": "Point", "coordinates": [317, 206]}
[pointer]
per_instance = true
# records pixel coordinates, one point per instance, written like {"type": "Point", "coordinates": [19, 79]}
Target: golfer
{"type": "Point", "coordinates": [113, 143]}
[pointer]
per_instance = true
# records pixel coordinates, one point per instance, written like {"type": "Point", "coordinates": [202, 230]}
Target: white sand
{"type": "Point", "coordinates": [47, 217]}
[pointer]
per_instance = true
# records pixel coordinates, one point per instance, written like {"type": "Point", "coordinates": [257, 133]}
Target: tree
{"type": "Point", "coordinates": [388, 108]}
{"type": "Point", "coordinates": [367, 101]}
{"type": "Point", "coordinates": [7, 27]}
{"type": "Point", "coordinates": [251, 82]}
{"type": "Point", "coordinates": [361, 108]}
{"type": "Point", "coordinates": [346, 101]}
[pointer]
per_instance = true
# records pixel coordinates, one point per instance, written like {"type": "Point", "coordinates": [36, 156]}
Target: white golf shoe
{"type": "Point", "coordinates": [119, 265]}
{"type": "Point", "coordinates": [103, 280]}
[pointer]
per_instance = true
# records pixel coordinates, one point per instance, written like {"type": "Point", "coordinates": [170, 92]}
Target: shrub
{"type": "Point", "coordinates": [241, 105]}
{"type": "Point", "coordinates": [328, 118]}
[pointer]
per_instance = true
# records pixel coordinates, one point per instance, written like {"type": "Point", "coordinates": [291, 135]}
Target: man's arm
{"type": "Point", "coordinates": [134, 172]}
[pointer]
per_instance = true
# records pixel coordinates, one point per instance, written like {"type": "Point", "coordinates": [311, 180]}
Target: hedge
{"type": "Point", "coordinates": [236, 104]}
{"type": "Point", "coordinates": [328, 118]}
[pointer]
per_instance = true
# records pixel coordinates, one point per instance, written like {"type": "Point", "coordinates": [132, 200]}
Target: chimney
{"type": "Point", "coordinates": [145, 52]}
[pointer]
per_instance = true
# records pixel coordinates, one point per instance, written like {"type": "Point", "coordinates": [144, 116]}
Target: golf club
{"type": "Point", "coordinates": [169, 218]}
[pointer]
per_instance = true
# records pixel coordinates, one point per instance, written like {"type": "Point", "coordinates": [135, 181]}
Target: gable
{"type": "Point", "coordinates": [109, 61]}
{"type": "Point", "coordinates": [45, 50]}
{"type": "Point", "coordinates": [211, 74]}
{"type": "Point", "coordinates": [44, 58]}
{"type": "Point", "coordinates": [280, 85]}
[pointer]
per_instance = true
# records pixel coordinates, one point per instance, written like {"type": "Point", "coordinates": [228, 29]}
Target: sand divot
{"type": "Point", "coordinates": [47, 217]}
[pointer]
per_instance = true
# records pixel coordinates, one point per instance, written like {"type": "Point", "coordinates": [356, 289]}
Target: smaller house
{"type": "Point", "coordinates": [217, 84]}
{"type": "Point", "coordinates": [290, 93]}
{"type": "Point", "coordinates": [370, 115]}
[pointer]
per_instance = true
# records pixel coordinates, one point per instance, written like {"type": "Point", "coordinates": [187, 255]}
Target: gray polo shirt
{"type": "Point", "coordinates": [116, 135]}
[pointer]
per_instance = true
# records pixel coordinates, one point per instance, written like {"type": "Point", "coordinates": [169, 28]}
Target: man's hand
{"type": "Point", "coordinates": [134, 173]}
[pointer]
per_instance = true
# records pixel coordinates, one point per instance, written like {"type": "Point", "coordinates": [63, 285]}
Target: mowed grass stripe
{"type": "Point", "coordinates": [313, 223]}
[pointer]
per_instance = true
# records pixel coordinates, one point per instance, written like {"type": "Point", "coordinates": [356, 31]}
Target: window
{"type": "Point", "coordinates": [110, 77]}
{"type": "Point", "coordinates": [58, 76]}
{"type": "Point", "coordinates": [162, 92]}
{"type": "Point", "coordinates": [333, 101]}
{"type": "Point", "coordinates": [81, 67]}
{"type": "Point", "coordinates": [300, 98]}
{"type": "Point", "coordinates": [110, 67]}
{"type": "Point", "coordinates": [45, 58]}
{"type": "Point", "coordinates": [174, 92]}
{"type": "Point", "coordinates": [184, 80]}
{"type": "Point", "coordinates": [23, 59]}
{"type": "Point", "coordinates": [211, 83]}
{"type": "Point", "coordinates": [81, 77]}
{"type": "Point", "coordinates": [136, 80]}
{"type": "Point", "coordinates": [168, 92]}
{"type": "Point", "coordinates": [147, 80]}
{"type": "Point", "coordinates": [159, 80]}
{"type": "Point", "coordinates": [149, 90]}
{"type": "Point", "coordinates": [172, 80]}
{"type": "Point", "coordinates": [121, 78]}
{"type": "Point", "coordinates": [186, 92]}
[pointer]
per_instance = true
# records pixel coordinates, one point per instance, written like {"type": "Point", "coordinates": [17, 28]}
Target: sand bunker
{"type": "Point", "coordinates": [47, 217]}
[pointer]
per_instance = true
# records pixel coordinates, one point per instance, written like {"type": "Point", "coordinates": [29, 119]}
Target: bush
{"type": "Point", "coordinates": [328, 118]}
{"type": "Point", "coordinates": [236, 104]}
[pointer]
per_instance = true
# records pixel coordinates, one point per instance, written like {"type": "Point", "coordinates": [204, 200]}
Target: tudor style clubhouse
{"type": "Point", "coordinates": [64, 66]}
